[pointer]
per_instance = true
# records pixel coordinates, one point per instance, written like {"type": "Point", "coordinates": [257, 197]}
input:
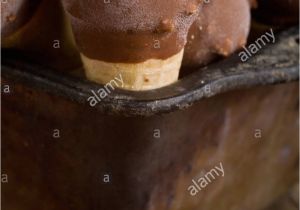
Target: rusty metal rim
{"type": "Point", "coordinates": [277, 63]}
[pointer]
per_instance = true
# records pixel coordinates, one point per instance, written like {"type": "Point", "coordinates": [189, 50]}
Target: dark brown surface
{"type": "Point", "coordinates": [277, 12]}
{"type": "Point", "coordinates": [127, 31]}
{"type": "Point", "coordinates": [289, 201]}
{"type": "Point", "coordinates": [148, 173]}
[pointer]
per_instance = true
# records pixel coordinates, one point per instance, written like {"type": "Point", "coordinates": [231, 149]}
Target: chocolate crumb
{"type": "Point", "coordinates": [191, 9]}
{"type": "Point", "coordinates": [165, 25]}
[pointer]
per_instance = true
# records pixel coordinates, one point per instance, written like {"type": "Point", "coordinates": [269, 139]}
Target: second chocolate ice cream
{"type": "Point", "coordinates": [221, 28]}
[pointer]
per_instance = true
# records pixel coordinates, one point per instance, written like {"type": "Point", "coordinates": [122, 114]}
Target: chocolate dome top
{"type": "Point", "coordinates": [126, 30]}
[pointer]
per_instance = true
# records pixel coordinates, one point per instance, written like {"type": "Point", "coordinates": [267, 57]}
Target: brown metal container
{"type": "Point", "coordinates": [142, 150]}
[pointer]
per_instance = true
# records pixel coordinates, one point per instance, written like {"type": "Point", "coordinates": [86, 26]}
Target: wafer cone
{"type": "Point", "coordinates": [151, 74]}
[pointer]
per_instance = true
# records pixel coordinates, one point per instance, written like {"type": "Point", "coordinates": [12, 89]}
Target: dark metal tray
{"type": "Point", "coordinates": [149, 171]}
{"type": "Point", "coordinates": [277, 63]}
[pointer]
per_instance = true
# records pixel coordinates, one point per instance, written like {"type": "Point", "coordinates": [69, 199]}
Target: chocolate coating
{"type": "Point", "coordinates": [278, 12]}
{"type": "Point", "coordinates": [15, 13]}
{"type": "Point", "coordinates": [131, 31]}
{"type": "Point", "coordinates": [221, 28]}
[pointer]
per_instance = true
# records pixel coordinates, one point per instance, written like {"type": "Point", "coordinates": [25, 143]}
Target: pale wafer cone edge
{"type": "Point", "coordinates": [148, 75]}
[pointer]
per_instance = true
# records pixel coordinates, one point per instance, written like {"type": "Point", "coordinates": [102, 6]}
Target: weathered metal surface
{"type": "Point", "coordinates": [290, 201]}
{"type": "Point", "coordinates": [146, 172]}
{"type": "Point", "coordinates": [275, 64]}
{"type": "Point", "coordinates": [149, 173]}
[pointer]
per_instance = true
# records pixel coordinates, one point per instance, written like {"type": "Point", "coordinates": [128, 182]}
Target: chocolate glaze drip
{"type": "Point", "coordinates": [131, 31]}
{"type": "Point", "coordinates": [15, 13]}
{"type": "Point", "coordinates": [221, 28]}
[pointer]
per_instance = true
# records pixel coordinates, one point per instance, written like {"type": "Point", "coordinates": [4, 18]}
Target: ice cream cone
{"type": "Point", "coordinates": [146, 50]}
{"type": "Point", "coordinates": [147, 75]}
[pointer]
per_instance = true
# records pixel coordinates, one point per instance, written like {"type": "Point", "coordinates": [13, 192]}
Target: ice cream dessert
{"type": "Point", "coordinates": [15, 14]}
{"type": "Point", "coordinates": [221, 28]}
{"type": "Point", "coordinates": [142, 40]}
{"type": "Point", "coordinates": [40, 31]}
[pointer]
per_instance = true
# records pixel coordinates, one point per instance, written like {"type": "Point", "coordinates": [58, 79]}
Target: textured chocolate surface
{"type": "Point", "coordinates": [131, 30]}
{"type": "Point", "coordinates": [15, 13]}
{"type": "Point", "coordinates": [221, 28]}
